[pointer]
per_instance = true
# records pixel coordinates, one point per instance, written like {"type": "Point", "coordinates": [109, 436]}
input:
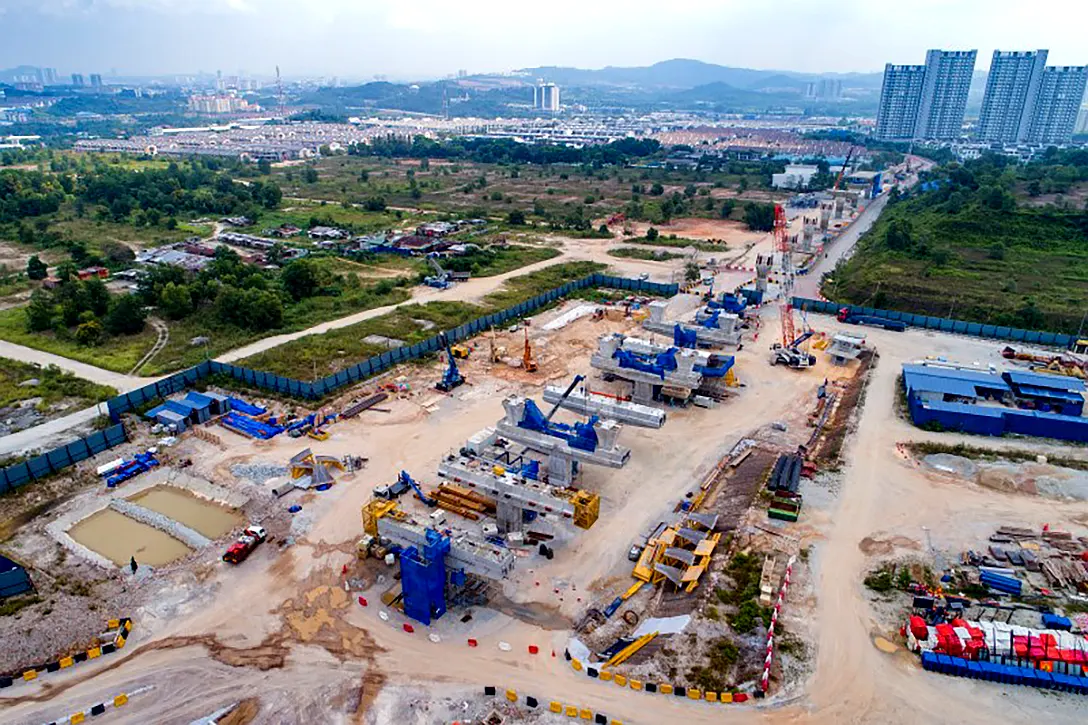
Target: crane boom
{"type": "Point", "coordinates": [842, 171]}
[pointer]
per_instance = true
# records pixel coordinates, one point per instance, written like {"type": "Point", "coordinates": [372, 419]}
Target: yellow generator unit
{"type": "Point", "coordinates": [587, 508]}
{"type": "Point", "coordinates": [374, 510]}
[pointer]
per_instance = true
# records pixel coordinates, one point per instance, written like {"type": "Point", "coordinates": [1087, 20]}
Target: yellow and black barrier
{"type": "Point", "coordinates": [93, 711]}
{"type": "Point", "coordinates": [123, 627]}
{"type": "Point", "coordinates": [656, 688]}
{"type": "Point", "coordinates": [572, 711]}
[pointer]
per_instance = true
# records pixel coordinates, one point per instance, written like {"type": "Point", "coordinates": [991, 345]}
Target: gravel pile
{"type": "Point", "coordinates": [259, 473]}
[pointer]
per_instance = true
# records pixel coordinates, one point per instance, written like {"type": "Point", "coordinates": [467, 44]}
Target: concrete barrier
{"type": "Point", "coordinates": [190, 537]}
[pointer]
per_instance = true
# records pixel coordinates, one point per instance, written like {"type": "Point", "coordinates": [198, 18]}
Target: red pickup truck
{"type": "Point", "coordinates": [250, 539]}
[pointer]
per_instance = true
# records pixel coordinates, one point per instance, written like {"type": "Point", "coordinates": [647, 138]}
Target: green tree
{"type": "Point", "coordinates": [126, 316]}
{"type": "Point", "coordinates": [264, 167]}
{"type": "Point", "coordinates": [277, 252]}
{"type": "Point", "coordinates": [299, 279]}
{"type": "Point", "coordinates": [899, 235]}
{"type": "Point", "coordinates": [176, 301]}
{"type": "Point", "coordinates": [759, 217]}
{"type": "Point", "coordinates": [742, 185]}
{"type": "Point", "coordinates": [309, 175]}
{"type": "Point", "coordinates": [516, 218]}
{"type": "Point", "coordinates": [727, 208]}
{"type": "Point", "coordinates": [271, 195]}
{"type": "Point", "coordinates": [690, 190]}
{"type": "Point", "coordinates": [89, 333]}
{"type": "Point", "coordinates": [67, 271]}
{"type": "Point", "coordinates": [651, 234]}
{"type": "Point", "coordinates": [657, 189]}
{"type": "Point", "coordinates": [36, 268]}
{"type": "Point", "coordinates": [39, 313]}
{"type": "Point", "coordinates": [97, 296]}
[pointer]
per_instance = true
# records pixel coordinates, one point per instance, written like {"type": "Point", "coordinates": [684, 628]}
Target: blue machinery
{"type": "Point", "coordinates": [452, 377]}
{"type": "Point", "coordinates": [410, 482]}
{"type": "Point", "coordinates": [730, 303]}
{"type": "Point", "coordinates": [581, 436]}
{"type": "Point", "coordinates": [653, 363]}
{"type": "Point", "coordinates": [423, 578]}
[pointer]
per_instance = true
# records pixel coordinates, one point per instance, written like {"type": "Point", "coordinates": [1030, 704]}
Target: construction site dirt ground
{"type": "Point", "coordinates": [282, 629]}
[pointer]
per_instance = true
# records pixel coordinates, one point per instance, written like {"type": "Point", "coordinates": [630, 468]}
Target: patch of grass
{"type": "Point", "coordinates": [1016, 266]}
{"type": "Point", "coordinates": [926, 448]}
{"type": "Point", "coordinates": [181, 353]}
{"type": "Point", "coordinates": [117, 353]}
{"type": "Point", "coordinates": [880, 581]}
{"type": "Point", "coordinates": [54, 385]}
{"type": "Point", "coordinates": [674, 241]}
{"type": "Point", "coordinates": [343, 347]}
{"type": "Point", "coordinates": [14, 605]}
{"type": "Point", "coordinates": [650, 255]}
{"type": "Point", "coordinates": [496, 260]}
{"type": "Point", "coordinates": [299, 212]}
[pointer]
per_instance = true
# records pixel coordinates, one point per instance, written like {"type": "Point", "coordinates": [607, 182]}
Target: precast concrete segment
{"type": "Point", "coordinates": [607, 453]}
{"type": "Point", "coordinates": [527, 493]}
{"type": "Point", "coordinates": [727, 333]}
{"type": "Point", "coordinates": [466, 552]}
{"type": "Point", "coordinates": [589, 403]}
{"type": "Point", "coordinates": [712, 336]}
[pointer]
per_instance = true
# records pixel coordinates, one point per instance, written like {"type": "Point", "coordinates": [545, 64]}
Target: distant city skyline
{"type": "Point", "coordinates": [423, 39]}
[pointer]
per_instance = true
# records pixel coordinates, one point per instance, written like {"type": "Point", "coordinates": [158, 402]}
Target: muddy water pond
{"type": "Point", "coordinates": [118, 538]}
{"type": "Point", "coordinates": [209, 518]}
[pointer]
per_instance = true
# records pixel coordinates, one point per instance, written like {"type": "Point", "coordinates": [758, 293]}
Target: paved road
{"type": "Point", "coordinates": [88, 372]}
{"type": "Point", "coordinates": [50, 434]}
{"type": "Point", "coordinates": [809, 284]}
{"type": "Point", "coordinates": [59, 430]}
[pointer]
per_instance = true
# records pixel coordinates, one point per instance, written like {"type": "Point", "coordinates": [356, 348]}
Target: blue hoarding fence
{"type": "Point", "coordinates": [48, 463]}
{"type": "Point", "coordinates": [316, 389]}
{"type": "Point", "coordinates": [943, 324]}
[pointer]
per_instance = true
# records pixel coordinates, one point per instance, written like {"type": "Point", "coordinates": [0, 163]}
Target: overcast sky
{"type": "Point", "coordinates": [403, 39]}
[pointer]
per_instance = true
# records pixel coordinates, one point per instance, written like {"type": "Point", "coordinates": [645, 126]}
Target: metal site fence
{"type": "Point", "coordinates": [943, 324]}
{"type": "Point", "coordinates": [49, 463]}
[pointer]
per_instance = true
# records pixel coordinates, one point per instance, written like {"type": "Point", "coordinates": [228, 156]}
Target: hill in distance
{"type": "Point", "coordinates": [681, 73]}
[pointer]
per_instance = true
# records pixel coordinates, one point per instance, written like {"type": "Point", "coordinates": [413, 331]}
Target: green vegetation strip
{"type": "Point", "coordinates": [978, 248]}
{"type": "Point", "coordinates": [118, 355]}
{"type": "Point", "coordinates": [650, 255]}
{"type": "Point", "coordinates": [338, 349]}
{"type": "Point", "coordinates": [926, 448]}
{"type": "Point", "coordinates": [54, 385]}
{"type": "Point", "coordinates": [673, 241]}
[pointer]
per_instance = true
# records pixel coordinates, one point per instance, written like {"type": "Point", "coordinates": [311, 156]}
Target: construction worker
{"type": "Point", "coordinates": [133, 565]}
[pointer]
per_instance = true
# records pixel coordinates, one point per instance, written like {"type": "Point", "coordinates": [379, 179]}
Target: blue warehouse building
{"type": "Point", "coordinates": [194, 408]}
{"type": "Point", "coordinates": [992, 403]}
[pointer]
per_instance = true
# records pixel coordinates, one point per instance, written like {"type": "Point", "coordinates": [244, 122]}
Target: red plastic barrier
{"type": "Point", "coordinates": [472, 643]}
{"type": "Point", "coordinates": [362, 601]}
{"type": "Point", "coordinates": [409, 628]}
{"type": "Point", "coordinates": [533, 649]}
{"type": "Point", "coordinates": [740, 697]}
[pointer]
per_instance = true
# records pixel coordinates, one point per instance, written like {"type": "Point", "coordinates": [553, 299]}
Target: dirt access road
{"type": "Point", "coordinates": [202, 659]}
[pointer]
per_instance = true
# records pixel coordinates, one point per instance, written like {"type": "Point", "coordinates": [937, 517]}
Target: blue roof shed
{"type": "Point", "coordinates": [13, 578]}
{"type": "Point", "coordinates": [953, 381]}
